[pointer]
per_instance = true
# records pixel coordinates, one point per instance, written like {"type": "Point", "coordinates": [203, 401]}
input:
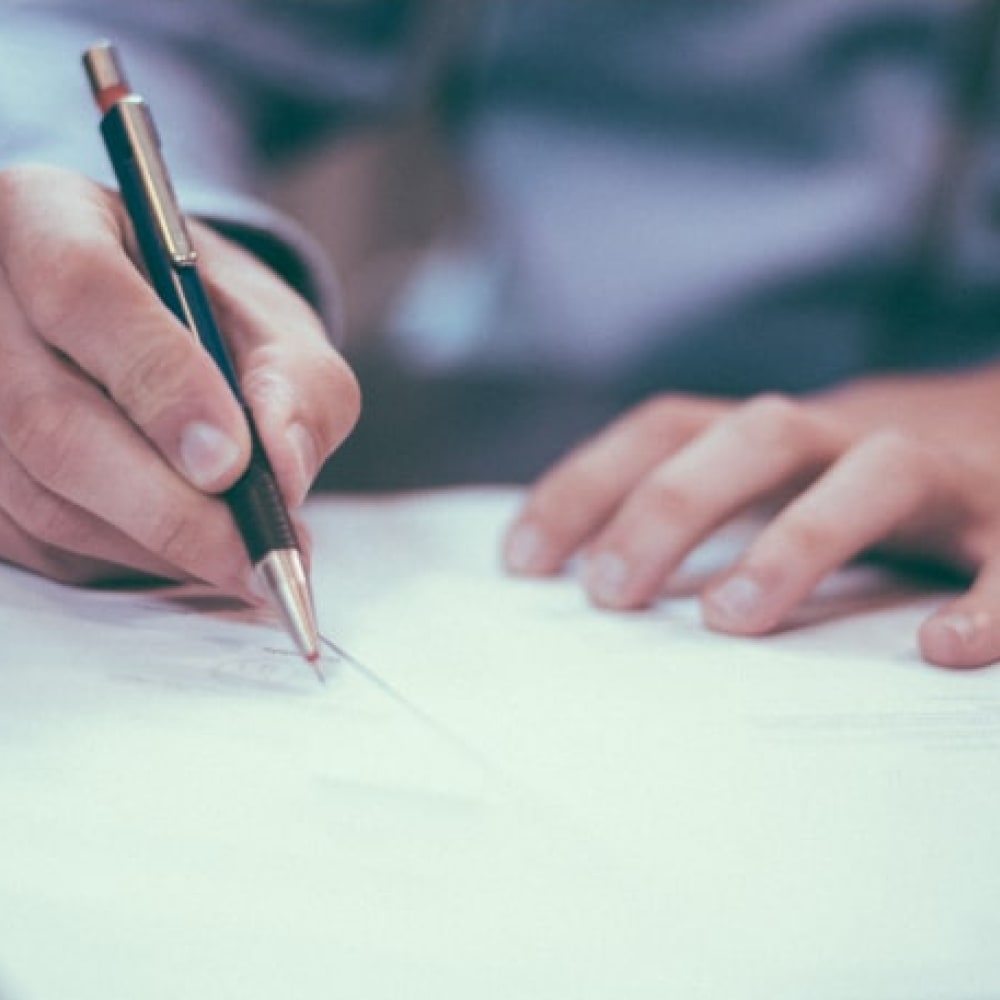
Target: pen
{"type": "Point", "coordinates": [171, 263]}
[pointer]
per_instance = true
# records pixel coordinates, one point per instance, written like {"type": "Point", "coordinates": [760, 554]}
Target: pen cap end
{"type": "Point", "coordinates": [106, 75]}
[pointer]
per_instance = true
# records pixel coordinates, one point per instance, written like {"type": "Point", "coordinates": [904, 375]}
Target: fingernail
{"type": "Point", "coordinates": [737, 599]}
{"type": "Point", "coordinates": [957, 629]}
{"type": "Point", "coordinates": [957, 638]}
{"type": "Point", "coordinates": [524, 548]}
{"type": "Point", "coordinates": [304, 449]}
{"type": "Point", "coordinates": [207, 454]}
{"type": "Point", "coordinates": [607, 576]}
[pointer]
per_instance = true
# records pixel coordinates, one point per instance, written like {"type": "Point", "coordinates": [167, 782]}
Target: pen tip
{"type": "Point", "coordinates": [284, 580]}
{"type": "Point", "coordinates": [312, 658]}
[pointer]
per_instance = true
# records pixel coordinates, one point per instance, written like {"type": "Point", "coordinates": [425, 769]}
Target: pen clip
{"type": "Point", "coordinates": [152, 174]}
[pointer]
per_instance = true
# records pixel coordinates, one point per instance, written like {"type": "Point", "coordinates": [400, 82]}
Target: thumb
{"type": "Point", "coordinates": [304, 397]}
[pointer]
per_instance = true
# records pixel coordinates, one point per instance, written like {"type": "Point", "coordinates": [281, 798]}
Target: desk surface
{"type": "Point", "coordinates": [504, 794]}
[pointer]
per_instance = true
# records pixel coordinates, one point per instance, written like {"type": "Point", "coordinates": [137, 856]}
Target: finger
{"type": "Point", "coordinates": [61, 249]}
{"type": "Point", "coordinates": [304, 397]}
{"type": "Point", "coordinates": [70, 439]}
{"type": "Point", "coordinates": [966, 632]}
{"type": "Point", "coordinates": [578, 495]}
{"type": "Point", "coordinates": [883, 484]}
{"type": "Point", "coordinates": [83, 548]}
{"type": "Point", "coordinates": [764, 446]}
{"type": "Point", "coordinates": [22, 549]}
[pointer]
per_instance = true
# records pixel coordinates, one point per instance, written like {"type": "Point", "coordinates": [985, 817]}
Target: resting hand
{"type": "Point", "coordinates": [909, 467]}
{"type": "Point", "coordinates": [115, 426]}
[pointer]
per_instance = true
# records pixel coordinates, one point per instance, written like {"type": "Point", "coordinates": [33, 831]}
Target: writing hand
{"type": "Point", "coordinates": [115, 426]}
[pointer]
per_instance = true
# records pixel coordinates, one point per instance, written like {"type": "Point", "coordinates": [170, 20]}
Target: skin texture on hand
{"type": "Point", "coordinates": [116, 428]}
{"type": "Point", "coordinates": [909, 467]}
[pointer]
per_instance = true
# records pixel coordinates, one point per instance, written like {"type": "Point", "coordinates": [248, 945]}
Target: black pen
{"type": "Point", "coordinates": [170, 258]}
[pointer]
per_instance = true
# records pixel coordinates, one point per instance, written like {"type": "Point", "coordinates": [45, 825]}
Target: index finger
{"type": "Point", "coordinates": [62, 247]}
{"type": "Point", "coordinates": [580, 493]}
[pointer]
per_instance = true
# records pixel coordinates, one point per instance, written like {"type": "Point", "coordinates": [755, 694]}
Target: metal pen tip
{"type": "Point", "coordinates": [314, 662]}
{"type": "Point", "coordinates": [283, 576]}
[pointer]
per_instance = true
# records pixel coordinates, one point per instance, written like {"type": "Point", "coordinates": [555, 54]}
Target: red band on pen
{"type": "Point", "coordinates": [109, 96]}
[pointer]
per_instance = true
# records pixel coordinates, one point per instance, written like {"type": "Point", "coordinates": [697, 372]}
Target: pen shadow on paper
{"type": "Point", "coordinates": [196, 599]}
{"type": "Point", "coordinates": [193, 637]}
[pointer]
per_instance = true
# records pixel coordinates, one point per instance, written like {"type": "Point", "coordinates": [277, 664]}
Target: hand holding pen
{"type": "Point", "coordinates": [171, 262]}
{"type": "Point", "coordinates": [115, 425]}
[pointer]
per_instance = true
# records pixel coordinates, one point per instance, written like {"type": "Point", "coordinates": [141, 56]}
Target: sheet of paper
{"type": "Point", "coordinates": [513, 795]}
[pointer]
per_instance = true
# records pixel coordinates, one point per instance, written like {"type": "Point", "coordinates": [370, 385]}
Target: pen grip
{"type": "Point", "coordinates": [257, 505]}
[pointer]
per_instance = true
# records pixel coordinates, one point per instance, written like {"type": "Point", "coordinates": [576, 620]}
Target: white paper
{"type": "Point", "coordinates": [513, 795]}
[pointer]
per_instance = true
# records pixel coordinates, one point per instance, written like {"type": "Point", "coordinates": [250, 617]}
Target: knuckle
{"type": "Point", "coordinates": [43, 431]}
{"type": "Point", "coordinates": [564, 496]}
{"type": "Point", "coordinates": [54, 530]}
{"type": "Point", "coordinates": [157, 373]}
{"type": "Point", "coordinates": [334, 381]}
{"type": "Point", "coordinates": [176, 538]}
{"type": "Point", "coordinates": [666, 422]}
{"type": "Point", "coordinates": [48, 518]}
{"type": "Point", "coordinates": [14, 177]}
{"type": "Point", "coordinates": [904, 466]}
{"type": "Point", "coordinates": [661, 500]}
{"type": "Point", "coordinates": [769, 420]}
{"type": "Point", "coordinates": [661, 423]}
{"type": "Point", "coordinates": [14, 180]}
{"type": "Point", "coordinates": [661, 416]}
{"type": "Point", "coordinates": [58, 305]}
{"type": "Point", "coordinates": [896, 452]}
{"type": "Point", "coordinates": [351, 388]}
{"type": "Point", "coordinates": [808, 535]}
